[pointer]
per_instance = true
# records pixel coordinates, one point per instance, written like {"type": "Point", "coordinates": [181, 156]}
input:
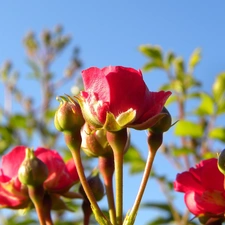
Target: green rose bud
{"type": "Point", "coordinates": [32, 171]}
{"type": "Point", "coordinates": [221, 162]}
{"type": "Point", "coordinates": [96, 186]}
{"type": "Point", "coordinates": [163, 124]}
{"type": "Point", "coordinates": [94, 142]}
{"type": "Point", "coordinates": [68, 117]}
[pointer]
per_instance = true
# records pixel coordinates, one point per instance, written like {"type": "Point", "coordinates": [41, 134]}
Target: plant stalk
{"type": "Point", "coordinates": [130, 218]}
{"type": "Point", "coordinates": [74, 145]}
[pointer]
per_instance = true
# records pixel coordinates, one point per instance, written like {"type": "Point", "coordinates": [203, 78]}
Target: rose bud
{"type": "Point", "coordinates": [94, 142]}
{"type": "Point", "coordinates": [96, 186]}
{"type": "Point", "coordinates": [32, 171]}
{"type": "Point", "coordinates": [221, 162]}
{"type": "Point", "coordinates": [163, 124]}
{"type": "Point", "coordinates": [68, 117]}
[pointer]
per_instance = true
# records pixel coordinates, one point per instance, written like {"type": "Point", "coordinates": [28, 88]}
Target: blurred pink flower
{"type": "Point", "coordinates": [203, 187]}
{"type": "Point", "coordinates": [13, 194]}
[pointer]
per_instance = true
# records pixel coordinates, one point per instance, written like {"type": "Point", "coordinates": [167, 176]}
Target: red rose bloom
{"type": "Point", "coordinates": [116, 97]}
{"type": "Point", "coordinates": [204, 189]}
{"type": "Point", "coordinates": [60, 178]}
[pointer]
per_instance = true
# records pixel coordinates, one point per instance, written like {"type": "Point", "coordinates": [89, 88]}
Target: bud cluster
{"type": "Point", "coordinates": [108, 141]}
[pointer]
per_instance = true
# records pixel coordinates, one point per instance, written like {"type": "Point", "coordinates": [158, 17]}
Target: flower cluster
{"type": "Point", "coordinates": [114, 99]}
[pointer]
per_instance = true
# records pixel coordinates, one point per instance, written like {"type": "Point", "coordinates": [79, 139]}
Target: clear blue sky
{"type": "Point", "coordinates": [109, 33]}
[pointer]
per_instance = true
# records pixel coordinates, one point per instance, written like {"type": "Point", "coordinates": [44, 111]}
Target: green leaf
{"type": "Point", "coordinates": [18, 121]}
{"type": "Point", "coordinates": [49, 114]}
{"type": "Point", "coordinates": [7, 138]}
{"type": "Point", "coordinates": [176, 85]}
{"type": "Point", "coordinates": [195, 58]}
{"type": "Point", "coordinates": [187, 128]}
{"type": "Point", "coordinates": [179, 67]}
{"type": "Point", "coordinates": [171, 99]}
{"type": "Point", "coordinates": [218, 87]}
{"type": "Point", "coordinates": [150, 51]}
{"type": "Point", "coordinates": [193, 95]}
{"type": "Point", "coordinates": [182, 151]}
{"type": "Point", "coordinates": [135, 160]}
{"type": "Point", "coordinates": [166, 87]}
{"type": "Point", "coordinates": [154, 54]}
{"type": "Point", "coordinates": [206, 106]}
{"type": "Point", "coordinates": [161, 220]}
{"type": "Point", "coordinates": [169, 59]}
{"type": "Point", "coordinates": [220, 108]}
{"type": "Point", "coordinates": [208, 155]}
{"type": "Point", "coordinates": [151, 65]}
{"type": "Point", "coordinates": [189, 81]}
{"type": "Point", "coordinates": [218, 133]}
{"type": "Point", "coordinates": [36, 71]}
{"type": "Point", "coordinates": [160, 206]}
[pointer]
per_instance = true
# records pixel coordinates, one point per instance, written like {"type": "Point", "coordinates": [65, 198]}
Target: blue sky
{"type": "Point", "coordinates": [109, 33]}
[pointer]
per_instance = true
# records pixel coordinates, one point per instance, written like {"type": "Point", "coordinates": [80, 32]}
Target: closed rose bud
{"type": "Point", "coordinates": [68, 117]}
{"type": "Point", "coordinates": [163, 124]}
{"type": "Point", "coordinates": [221, 162]}
{"type": "Point", "coordinates": [32, 171]}
{"type": "Point", "coordinates": [96, 186]}
{"type": "Point", "coordinates": [94, 142]}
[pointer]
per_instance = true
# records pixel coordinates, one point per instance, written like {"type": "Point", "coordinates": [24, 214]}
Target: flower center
{"type": "Point", "coordinates": [216, 197]}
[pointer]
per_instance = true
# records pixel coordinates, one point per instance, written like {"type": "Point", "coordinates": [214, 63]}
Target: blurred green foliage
{"type": "Point", "coordinates": [200, 130]}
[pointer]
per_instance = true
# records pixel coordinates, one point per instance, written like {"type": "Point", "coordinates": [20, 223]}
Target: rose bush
{"type": "Point", "coordinates": [61, 176]}
{"type": "Point", "coordinates": [116, 97]}
{"type": "Point", "coordinates": [204, 189]}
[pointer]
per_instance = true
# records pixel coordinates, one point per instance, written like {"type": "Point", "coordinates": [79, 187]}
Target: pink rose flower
{"type": "Point", "coordinates": [13, 194]}
{"type": "Point", "coordinates": [116, 97]}
{"type": "Point", "coordinates": [203, 187]}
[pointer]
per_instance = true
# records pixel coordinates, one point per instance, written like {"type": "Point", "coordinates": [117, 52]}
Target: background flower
{"type": "Point", "coordinates": [204, 189]}
{"type": "Point", "coordinates": [13, 194]}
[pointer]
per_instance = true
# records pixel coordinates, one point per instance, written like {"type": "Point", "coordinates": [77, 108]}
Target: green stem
{"type": "Point", "coordinates": [106, 167]}
{"type": "Point", "coordinates": [40, 214]}
{"type": "Point", "coordinates": [111, 203]}
{"type": "Point", "coordinates": [36, 195]}
{"type": "Point", "coordinates": [47, 208]}
{"type": "Point", "coordinates": [73, 143]}
{"type": "Point", "coordinates": [118, 142]}
{"type": "Point", "coordinates": [130, 218]}
{"type": "Point", "coordinates": [118, 157]}
{"type": "Point", "coordinates": [87, 212]}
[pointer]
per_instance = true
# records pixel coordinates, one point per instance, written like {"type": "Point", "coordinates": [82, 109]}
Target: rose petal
{"type": "Point", "coordinates": [59, 179]}
{"type": "Point", "coordinates": [153, 105]}
{"type": "Point", "coordinates": [12, 195]}
{"type": "Point", "coordinates": [212, 178]}
{"type": "Point", "coordinates": [127, 89]}
{"type": "Point", "coordinates": [199, 205]}
{"type": "Point", "coordinates": [12, 161]}
{"type": "Point", "coordinates": [95, 81]}
{"type": "Point", "coordinates": [187, 182]}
